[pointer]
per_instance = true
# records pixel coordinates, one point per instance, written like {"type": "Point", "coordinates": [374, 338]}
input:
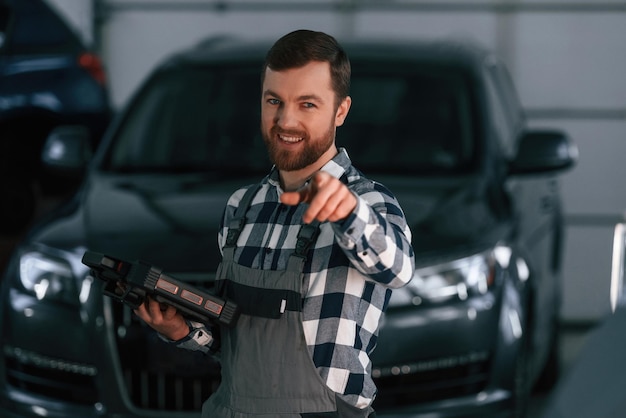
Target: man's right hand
{"type": "Point", "coordinates": [328, 198]}
{"type": "Point", "coordinates": [163, 318]}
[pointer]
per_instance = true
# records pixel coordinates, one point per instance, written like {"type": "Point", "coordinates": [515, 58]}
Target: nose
{"type": "Point", "coordinates": [286, 117]}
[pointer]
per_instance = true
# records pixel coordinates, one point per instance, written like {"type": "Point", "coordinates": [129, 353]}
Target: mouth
{"type": "Point", "coordinates": [290, 139]}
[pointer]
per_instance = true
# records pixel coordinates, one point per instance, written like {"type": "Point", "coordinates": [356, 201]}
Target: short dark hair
{"type": "Point", "coordinates": [298, 48]}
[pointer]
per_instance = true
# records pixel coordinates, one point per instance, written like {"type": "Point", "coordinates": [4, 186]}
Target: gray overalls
{"type": "Point", "coordinates": [267, 370]}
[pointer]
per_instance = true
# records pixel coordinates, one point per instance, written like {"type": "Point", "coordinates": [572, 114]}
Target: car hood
{"type": "Point", "coordinates": [168, 220]}
{"type": "Point", "coordinates": [172, 221]}
{"type": "Point", "coordinates": [449, 216]}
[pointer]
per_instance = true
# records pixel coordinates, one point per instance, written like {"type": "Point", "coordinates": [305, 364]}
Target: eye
{"type": "Point", "coordinates": [273, 102]}
{"type": "Point", "coordinates": [308, 105]}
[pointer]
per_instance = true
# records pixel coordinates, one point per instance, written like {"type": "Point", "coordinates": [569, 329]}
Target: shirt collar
{"type": "Point", "coordinates": [335, 167]}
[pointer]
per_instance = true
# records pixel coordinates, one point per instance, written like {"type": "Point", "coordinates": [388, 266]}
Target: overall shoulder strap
{"type": "Point", "coordinates": [236, 224]}
{"type": "Point", "coordinates": [307, 235]}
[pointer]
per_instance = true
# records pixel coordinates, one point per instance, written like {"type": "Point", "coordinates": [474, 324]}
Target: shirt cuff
{"type": "Point", "coordinates": [197, 333]}
{"type": "Point", "coordinates": [351, 229]}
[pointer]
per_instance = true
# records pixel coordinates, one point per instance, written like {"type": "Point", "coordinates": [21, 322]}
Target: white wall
{"type": "Point", "coordinates": [567, 59]}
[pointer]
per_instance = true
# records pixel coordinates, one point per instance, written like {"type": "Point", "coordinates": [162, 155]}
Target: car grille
{"type": "Point", "coordinates": [431, 380]}
{"type": "Point", "coordinates": [50, 377]}
{"type": "Point", "coordinates": [157, 375]}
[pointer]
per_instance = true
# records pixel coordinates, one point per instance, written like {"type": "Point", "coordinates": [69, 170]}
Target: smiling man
{"type": "Point", "coordinates": [310, 255]}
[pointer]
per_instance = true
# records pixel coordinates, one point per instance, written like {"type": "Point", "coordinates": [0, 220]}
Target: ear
{"type": "Point", "coordinates": [342, 111]}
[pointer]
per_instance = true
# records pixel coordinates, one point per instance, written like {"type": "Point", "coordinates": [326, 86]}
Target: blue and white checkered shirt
{"type": "Point", "coordinates": [348, 275]}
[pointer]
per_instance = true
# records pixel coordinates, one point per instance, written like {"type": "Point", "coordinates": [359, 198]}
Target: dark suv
{"type": "Point", "coordinates": [438, 123]}
{"type": "Point", "coordinates": [48, 78]}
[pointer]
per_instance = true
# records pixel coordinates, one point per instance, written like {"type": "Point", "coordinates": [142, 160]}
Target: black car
{"type": "Point", "coordinates": [48, 79]}
{"type": "Point", "coordinates": [437, 122]}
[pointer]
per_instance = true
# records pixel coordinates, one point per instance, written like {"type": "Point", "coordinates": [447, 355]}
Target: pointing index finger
{"type": "Point", "coordinates": [303, 194]}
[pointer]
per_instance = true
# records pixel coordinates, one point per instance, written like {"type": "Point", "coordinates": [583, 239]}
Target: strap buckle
{"type": "Point", "coordinates": [306, 236]}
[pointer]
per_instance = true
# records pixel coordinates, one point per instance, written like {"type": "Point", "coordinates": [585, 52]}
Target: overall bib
{"type": "Point", "coordinates": [267, 370]}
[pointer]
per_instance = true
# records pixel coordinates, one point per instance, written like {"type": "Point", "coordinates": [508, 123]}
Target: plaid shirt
{"type": "Point", "coordinates": [348, 275]}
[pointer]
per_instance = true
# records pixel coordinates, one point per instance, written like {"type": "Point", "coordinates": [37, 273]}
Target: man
{"type": "Point", "coordinates": [310, 255]}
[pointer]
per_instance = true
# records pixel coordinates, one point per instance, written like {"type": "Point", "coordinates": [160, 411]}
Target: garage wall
{"type": "Point", "coordinates": [567, 59]}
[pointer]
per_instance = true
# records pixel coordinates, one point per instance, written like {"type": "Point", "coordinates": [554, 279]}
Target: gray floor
{"type": "Point", "coordinates": [573, 338]}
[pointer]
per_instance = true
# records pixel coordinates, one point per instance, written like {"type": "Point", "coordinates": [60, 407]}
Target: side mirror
{"type": "Point", "coordinates": [67, 149]}
{"type": "Point", "coordinates": [544, 151]}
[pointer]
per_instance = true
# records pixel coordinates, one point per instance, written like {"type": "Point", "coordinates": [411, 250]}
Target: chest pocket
{"type": "Point", "coordinates": [263, 302]}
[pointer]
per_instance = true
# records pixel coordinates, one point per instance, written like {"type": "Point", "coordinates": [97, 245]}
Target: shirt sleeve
{"type": "Point", "coordinates": [376, 237]}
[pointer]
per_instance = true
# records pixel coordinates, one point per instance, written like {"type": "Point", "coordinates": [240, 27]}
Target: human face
{"type": "Point", "coordinates": [299, 116]}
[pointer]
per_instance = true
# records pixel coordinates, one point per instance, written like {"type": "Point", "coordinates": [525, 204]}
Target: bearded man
{"type": "Point", "coordinates": [310, 255]}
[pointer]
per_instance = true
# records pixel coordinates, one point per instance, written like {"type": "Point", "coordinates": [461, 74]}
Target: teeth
{"type": "Point", "coordinates": [291, 139]}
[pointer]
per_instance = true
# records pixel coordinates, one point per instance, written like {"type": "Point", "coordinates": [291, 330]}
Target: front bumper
{"type": "Point", "coordinates": [465, 351]}
{"type": "Point", "coordinates": [16, 404]}
{"type": "Point", "coordinates": [489, 404]}
{"type": "Point", "coordinates": [466, 355]}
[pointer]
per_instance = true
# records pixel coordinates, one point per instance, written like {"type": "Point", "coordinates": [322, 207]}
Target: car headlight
{"type": "Point", "coordinates": [455, 280]}
{"type": "Point", "coordinates": [47, 277]}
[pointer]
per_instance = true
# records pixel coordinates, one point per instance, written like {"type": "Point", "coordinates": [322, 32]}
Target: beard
{"type": "Point", "coordinates": [310, 151]}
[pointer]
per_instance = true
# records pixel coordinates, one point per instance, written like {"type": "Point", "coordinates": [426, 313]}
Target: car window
{"type": "Point", "coordinates": [505, 108]}
{"type": "Point", "coordinates": [194, 120]}
{"type": "Point", "coordinates": [208, 119]}
{"type": "Point", "coordinates": [409, 122]}
{"type": "Point", "coordinates": [34, 28]}
{"type": "Point", "coordinates": [500, 120]}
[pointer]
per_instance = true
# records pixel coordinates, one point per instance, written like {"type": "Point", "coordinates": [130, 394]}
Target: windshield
{"type": "Point", "coordinates": [208, 120]}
